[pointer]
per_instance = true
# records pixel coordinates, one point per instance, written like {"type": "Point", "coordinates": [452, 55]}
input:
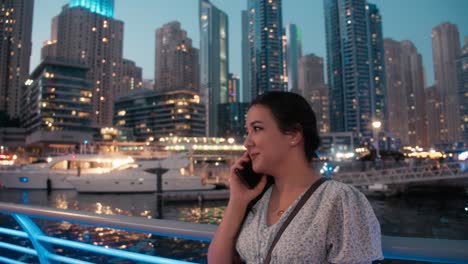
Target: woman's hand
{"type": "Point", "coordinates": [239, 193]}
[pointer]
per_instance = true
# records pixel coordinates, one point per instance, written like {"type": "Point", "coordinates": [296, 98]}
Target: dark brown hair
{"type": "Point", "coordinates": [292, 113]}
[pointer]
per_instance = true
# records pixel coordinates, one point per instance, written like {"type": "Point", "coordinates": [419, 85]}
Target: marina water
{"type": "Point", "coordinates": [427, 216]}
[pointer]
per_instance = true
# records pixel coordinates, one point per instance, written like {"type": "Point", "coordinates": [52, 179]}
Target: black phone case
{"type": "Point", "coordinates": [248, 176]}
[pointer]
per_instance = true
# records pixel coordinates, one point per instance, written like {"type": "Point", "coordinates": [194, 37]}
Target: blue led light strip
{"type": "Point", "coordinates": [101, 7]}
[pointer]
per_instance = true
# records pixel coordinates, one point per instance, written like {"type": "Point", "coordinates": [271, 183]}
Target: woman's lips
{"type": "Point", "coordinates": [253, 155]}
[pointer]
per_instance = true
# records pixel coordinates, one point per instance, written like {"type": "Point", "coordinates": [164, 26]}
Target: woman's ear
{"type": "Point", "coordinates": [295, 136]}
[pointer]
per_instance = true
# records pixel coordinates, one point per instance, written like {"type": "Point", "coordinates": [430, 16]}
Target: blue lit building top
{"type": "Point", "coordinates": [101, 7]}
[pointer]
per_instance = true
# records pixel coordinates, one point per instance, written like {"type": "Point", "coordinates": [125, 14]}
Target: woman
{"type": "Point", "coordinates": [335, 225]}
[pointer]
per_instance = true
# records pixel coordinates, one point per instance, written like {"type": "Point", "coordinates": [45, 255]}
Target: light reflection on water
{"type": "Point", "coordinates": [417, 216]}
{"type": "Point", "coordinates": [141, 205]}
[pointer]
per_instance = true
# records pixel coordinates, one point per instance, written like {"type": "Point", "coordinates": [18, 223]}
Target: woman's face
{"type": "Point", "coordinates": [266, 145]}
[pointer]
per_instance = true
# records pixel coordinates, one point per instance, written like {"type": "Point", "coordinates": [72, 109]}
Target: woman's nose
{"type": "Point", "coordinates": [248, 142]}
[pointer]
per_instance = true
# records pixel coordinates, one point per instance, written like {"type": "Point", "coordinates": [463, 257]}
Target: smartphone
{"type": "Point", "coordinates": [248, 176]}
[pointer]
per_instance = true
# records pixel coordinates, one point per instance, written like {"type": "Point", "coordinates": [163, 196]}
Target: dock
{"type": "Point", "coordinates": [186, 196]}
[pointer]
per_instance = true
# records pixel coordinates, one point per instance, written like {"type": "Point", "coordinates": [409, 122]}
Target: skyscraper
{"type": "Point", "coordinates": [86, 31]}
{"type": "Point", "coordinates": [462, 68]}
{"type": "Point", "coordinates": [233, 88]}
{"type": "Point", "coordinates": [413, 80]}
{"type": "Point", "coordinates": [445, 51]}
{"type": "Point", "coordinates": [131, 78]}
{"type": "Point", "coordinates": [434, 113]}
{"type": "Point", "coordinates": [284, 46]}
{"type": "Point", "coordinates": [406, 96]}
{"type": "Point", "coordinates": [348, 57]}
{"type": "Point", "coordinates": [246, 92]}
{"type": "Point", "coordinates": [15, 51]}
{"type": "Point", "coordinates": [293, 53]}
{"type": "Point", "coordinates": [265, 40]}
{"type": "Point", "coordinates": [313, 88]}
{"type": "Point", "coordinates": [377, 65]}
{"type": "Point", "coordinates": [214, 61]}
{"type": "Point", "coordinates": [49, 47]}
{"type": "Point", "coordinates": [397, 106]}
{"type": "Point", "coordinates": [176, 60]}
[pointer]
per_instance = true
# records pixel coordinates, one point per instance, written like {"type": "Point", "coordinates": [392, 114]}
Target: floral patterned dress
{"type": "Point", "coordinates": [336, 225]}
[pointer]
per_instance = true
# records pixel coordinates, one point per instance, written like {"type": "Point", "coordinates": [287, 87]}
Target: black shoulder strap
{"type": "Point", "coordinates": [296, 209]}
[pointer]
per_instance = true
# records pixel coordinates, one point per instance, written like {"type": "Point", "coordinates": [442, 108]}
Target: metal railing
{"type": "Point", "coordinates": [403, 248]}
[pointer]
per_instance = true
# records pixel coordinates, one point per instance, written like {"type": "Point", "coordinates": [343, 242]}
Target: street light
{"type": "Point", "coordinates": [376, 125]}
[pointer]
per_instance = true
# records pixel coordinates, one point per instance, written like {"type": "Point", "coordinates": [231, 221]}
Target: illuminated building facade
{"type": "Point", "coordinates": [152, 114]}
{"type": "Point", "coordinates": [86, 31]}
{"type": "Point", "coordinates": [15, 51]}
{"type": "Point", "coordinates": [214, 61]}
{"type": "Point", "coordinates": [57, 97]}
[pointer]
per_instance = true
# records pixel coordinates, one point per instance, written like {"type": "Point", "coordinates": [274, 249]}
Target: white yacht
{"type": "Point", "coordinates": [143, 178]}
{"type": "Point", "coordinates": [54, 173]}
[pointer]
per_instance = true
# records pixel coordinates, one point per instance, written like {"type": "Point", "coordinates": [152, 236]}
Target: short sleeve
{"type": "Point", "coordinates": [353, 234]}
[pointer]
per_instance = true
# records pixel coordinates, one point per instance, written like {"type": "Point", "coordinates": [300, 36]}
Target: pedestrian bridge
{"type": "Point", "coordinates": [406, 174]}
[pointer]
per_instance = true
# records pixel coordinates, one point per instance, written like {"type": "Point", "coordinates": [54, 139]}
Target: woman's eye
{"type": "Point", "coordinates": [257, 128]}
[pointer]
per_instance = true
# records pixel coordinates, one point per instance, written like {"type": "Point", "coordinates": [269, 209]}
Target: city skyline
{"type": "Point", "coordinates": [401, 21]}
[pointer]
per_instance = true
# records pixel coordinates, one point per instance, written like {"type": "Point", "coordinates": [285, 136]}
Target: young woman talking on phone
{"type": "Point", "coordinates": [298, 217]}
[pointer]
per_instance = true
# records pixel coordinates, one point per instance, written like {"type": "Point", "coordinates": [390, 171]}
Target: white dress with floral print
{"type": "Point", "coordinates": [336, 225]}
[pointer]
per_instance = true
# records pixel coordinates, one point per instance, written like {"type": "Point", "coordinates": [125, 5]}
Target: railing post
{"type": "Point", "coordinates": [159, 192]}
{"type": "Point", "coordinates": [33, 231]}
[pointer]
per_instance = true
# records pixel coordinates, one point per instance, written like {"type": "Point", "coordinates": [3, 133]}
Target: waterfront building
{"type": "Point", "coordinates": [176, 65]}
{"type": "Point", "coordinates": [153, 115]}
{"type": "Point", "coordinates": [266, 47]}
{"type": "Point", "coordinates": [11, 138]}
{"type": "Point", "coordinates": [87, 31]}
{"type": "Point", "coordinates": [15, 50]}
{"type": "Point", "coordinates": [445, 51]}
{"type": "Point", "coordinates": [56, 107]}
